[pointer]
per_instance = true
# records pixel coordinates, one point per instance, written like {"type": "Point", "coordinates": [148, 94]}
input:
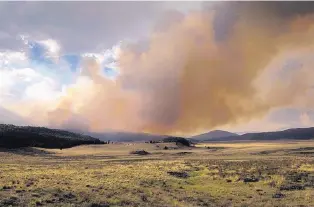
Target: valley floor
{"type": "Point", "coordinates": [213, 174]}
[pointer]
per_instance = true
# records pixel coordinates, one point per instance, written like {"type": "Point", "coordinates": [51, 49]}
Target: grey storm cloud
{"type": "Point", "coordinates": [80, 26]}
{"type": "Point", "coordinates": [90, 26]}
{"type": "Point", "coordinates": [227, 13]}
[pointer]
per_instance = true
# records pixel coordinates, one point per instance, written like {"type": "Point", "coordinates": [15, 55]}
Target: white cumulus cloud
{"type": "Point", "coordinates": [53, 48]}
{"type": "Point", "coordinates": [7, 58]}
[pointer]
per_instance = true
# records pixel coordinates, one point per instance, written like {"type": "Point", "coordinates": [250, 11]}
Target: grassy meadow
{"type": "Point", "coordinates": [215, 174]}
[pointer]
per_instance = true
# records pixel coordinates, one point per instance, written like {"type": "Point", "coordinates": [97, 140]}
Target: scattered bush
{"type": "Point", "coordinates": [291, 187]}
{"type": "Point", "coordinates": [278, 195]}
{"type": "Point", "coordinates": [250, 180]}
{"type": "Point", "coordinates": [179, 174]}
{"type": "Point", "coordinates": [139, 152]}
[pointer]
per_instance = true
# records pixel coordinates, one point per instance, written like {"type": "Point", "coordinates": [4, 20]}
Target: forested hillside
{"type": "Point", "coordinates": [12, 136]}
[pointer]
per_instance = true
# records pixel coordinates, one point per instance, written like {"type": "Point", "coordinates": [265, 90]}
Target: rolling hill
{"type": "Point", "coordinates": [12, 136]}
{"type": "Point", "coordinates": [214, 134]}
{"type": "Point", "coordinates": [294, 133]}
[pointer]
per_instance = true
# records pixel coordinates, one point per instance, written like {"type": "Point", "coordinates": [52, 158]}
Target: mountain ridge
{"type": "Point", "coordinates": [122, 136]}
{"type": "Point", "coordinates": [292, 133]}
{"type": "Point", "coordinates": [213, 134]}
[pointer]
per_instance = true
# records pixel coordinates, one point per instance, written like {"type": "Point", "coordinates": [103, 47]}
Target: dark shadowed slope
{"type": "Point", "coordinates": [297, 133]}
{"type": "Point", "coordinates": [213, 134]}
{"type": "Point", "coordinates": [12, 136]}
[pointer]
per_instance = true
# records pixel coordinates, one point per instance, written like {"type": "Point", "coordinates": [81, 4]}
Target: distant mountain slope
{"type": "Point", "coordinates": [125, 136]}
{"type": "Point", "coordinates": [132, 137]}
{"type": "Point", "coordinates": [296, 133]}
{"type": "Point", "coordinates": [12, 136]}
{"type": "Point", "coordinates": [214, 134]}
{"type": "Point", "coordinates": [7, 116]}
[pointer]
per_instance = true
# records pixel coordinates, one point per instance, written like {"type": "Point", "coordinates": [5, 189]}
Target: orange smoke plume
{"type": "Point", "coordinates": [187, 81]}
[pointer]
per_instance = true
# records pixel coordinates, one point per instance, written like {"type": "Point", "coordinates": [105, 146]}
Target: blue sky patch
{"type": "Point", "coordinates": [73, 60]}
{"type": "Point", "coordinates": [38, 54]}
{"type": "Point", "coordinates": [110, 72]}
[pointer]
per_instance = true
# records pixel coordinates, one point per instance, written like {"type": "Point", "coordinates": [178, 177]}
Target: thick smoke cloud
{"type": "Point", "coordinates": [201, 70]}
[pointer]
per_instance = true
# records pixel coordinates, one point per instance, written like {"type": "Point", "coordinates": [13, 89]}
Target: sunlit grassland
{"type": "Point", "coordinates": [108, 175]}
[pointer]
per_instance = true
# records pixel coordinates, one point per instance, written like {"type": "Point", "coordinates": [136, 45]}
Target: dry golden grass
{"type": "Point", "coordinates": [108, 175]}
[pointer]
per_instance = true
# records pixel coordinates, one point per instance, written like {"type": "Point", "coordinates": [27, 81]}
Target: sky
{"type": "Point", "coordinates": [179, 68]}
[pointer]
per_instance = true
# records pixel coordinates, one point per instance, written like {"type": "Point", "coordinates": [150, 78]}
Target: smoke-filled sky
{"type": "Point", "coordinates": [178, 68]}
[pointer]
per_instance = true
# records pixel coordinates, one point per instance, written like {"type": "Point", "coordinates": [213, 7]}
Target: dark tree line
{"type": "Point", "coordinates": [177, 140]}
